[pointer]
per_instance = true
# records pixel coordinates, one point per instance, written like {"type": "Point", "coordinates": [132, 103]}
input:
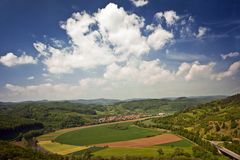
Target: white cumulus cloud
{"type": "Point", "coordinates": [195, 70]}
{"type": "Point", "coordinates": [11, 60]}
{"type": "Point", "coordinates": [139, 3]}
{"type": "Point", "coordinates": [183, 69]}
{"type": "Point", "coordinates": [110, 35]}
{"type": "Point", "coordinates": [159, 38]}
{"type": "Point", "coordinates": [44, 91]}
{"type": "Point", "coordinates": [201, 32]}
{"type": "Point", "coordinates": [122, 30]}
{"type": "Point", "coordinates": [170, 16]}
{"type": "Point", "coordinates": [232, 70]}
{"type": "Point", "coordinates": [143, 72]}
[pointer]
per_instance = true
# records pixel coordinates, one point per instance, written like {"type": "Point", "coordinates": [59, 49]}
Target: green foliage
{"type": "Point", "coordinates": [32, 133]}
{"type": "Point", "coordinates": [160, 152]}
{"type": "Point", "coordinates": [72, 121]}
{"type": "Point", "coordinates": [15, 127]}
{"type": "Point", "coordinates": [154, 106]}
{"type": "Point", "coordinates": [9, 151]}
{"type": "Point", "coordinates": [234, 146]}
{"type": "Point", "coordinates": [234, 124]}
{"type": "Point", "coordinates": [182, 143]}
{"type": "Point", "coordinates": [92, 149]}
{"type": "Point", "coordinates": [180, 152]}
{"type": "Point", "coordinates": [210, 122]}
{"type": "Point", "coordinates": [19, 118]}
{"type": "Point", "coordinates": [218, 120]}
{"type": "Point", "coordinates": [199, 152]}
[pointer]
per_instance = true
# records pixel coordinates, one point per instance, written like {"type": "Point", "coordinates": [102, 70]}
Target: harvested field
{"type": "Point", "coordinates": [58, 148]}
{"type": "Point", "coordinates": [144, 142]}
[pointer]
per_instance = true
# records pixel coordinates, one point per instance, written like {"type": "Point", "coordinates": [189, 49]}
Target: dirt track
{"type": "Point", "coordinates": [144, 142]}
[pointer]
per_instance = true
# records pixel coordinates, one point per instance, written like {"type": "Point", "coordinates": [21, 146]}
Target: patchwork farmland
{"type": "Point", "coordinates": [118, 139]}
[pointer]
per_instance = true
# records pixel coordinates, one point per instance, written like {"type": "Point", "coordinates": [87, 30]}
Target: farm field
{"type": "Point", "coordinates": [144, 142]}
{"type": "Point", "coordinates": [182, 143]}
{"type": "Point", "coordinates": [105, 134]}
{"type": "Point", "coordinates": [167, 148]}
{"type": "Point", "coordinates": [143, 152]}
{"type": "Point", "coordinates": [122, 139]}
{"type": "Point", "coordinates": [61, 149]}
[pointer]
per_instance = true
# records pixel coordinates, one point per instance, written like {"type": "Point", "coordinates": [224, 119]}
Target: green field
{"type": "Point", "coordinates": [122, 152]}
{"type": "Point", "coordinates": [91, 149]}
{"type": "Point", "coordinates": [182, 143]}
{"type": "Point", "coordinates": [143, 152]}
{"type": "Point", "coordinates": [168, 149]}
{"type": "Point", "coordinates": [106, 133]}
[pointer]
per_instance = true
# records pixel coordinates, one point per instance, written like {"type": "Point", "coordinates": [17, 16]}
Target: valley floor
{"type": "Point", "coordinates": [113, 139]}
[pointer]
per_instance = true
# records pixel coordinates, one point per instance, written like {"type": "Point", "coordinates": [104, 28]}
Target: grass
{"type": "Point", "coordinates": [104, 134]}
{"type": "Point", "coordinates": [168, 149]}
{"type": "Point", "coordinates": [122, 152]}
{"type": "Point", "coordinates": [182, 143]}
{"type": "Point", "coordinates": [143, 152]}
{"type": "Point", "coordinates": [62, 149]}
{"type": "Point", "coordinates": [92, 149]}
{"type": "Point", "coordinates": [53, 135]}
{"type": "Point", "coordinates": [149, 122]}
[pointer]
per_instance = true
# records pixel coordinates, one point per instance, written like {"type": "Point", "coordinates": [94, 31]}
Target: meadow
{"type": "Point", "coordinates": [151, 151]}
{"type": "Point", "coordinates": [76, 141]}
{"type": "Point", "coordinates": [143, 152]}
{"type": "Point", "coordinates": [105, 133]}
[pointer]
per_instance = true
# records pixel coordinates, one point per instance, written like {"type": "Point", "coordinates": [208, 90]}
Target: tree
{"type": "Point", "coordinates": [160, 152]}
{"type": "Point", "coordinates": [87, 155]}
{"type": "Point", "coordinates": [234, 124]}
{"type": "Point", "coordinates": [217, 127]}
{"type": "Point", "coordinates": [198, 151]}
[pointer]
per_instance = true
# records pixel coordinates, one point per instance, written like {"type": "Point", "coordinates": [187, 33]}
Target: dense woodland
{"type": "Point", "coordinates": [154, 106]}
{"type": "Point", "coordinates": [21, 118]}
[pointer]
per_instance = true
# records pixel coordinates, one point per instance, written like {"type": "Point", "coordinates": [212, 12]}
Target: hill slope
{"type": "Point", "coordinates": [154, 106]}
{"type": "Point", "coordinates": [218, 120]}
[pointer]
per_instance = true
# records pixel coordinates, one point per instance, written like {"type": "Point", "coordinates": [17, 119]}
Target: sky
{"type": "Point", "coordinates": [122, 49]}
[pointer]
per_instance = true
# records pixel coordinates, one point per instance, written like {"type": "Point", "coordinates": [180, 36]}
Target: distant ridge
{"type": "Point", "coordinates": [105, 101]}
{"type": "Point", "coordinates": [101, 101]}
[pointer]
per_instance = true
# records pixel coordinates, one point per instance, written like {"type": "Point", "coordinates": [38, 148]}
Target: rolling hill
{"type": "Point", "coordinates": [218, 120]}
{"type": "Point", "coordinates": [52, 115]}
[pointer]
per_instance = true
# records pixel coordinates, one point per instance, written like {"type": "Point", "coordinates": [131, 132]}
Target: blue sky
{"type": "Point", "coordinates": [118, 49]}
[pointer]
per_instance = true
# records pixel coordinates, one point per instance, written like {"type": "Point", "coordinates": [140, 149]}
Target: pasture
{"type": "Point", "coordinates": [151, 151]}
{"type": "Point", "coordinates": [182, 143]}
{"type": "Point", "coordinates": [105, 133]}
{"type": "Point", "coordinates": [143, 152]}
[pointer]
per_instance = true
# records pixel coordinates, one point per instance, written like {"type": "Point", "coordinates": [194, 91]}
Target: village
{"type": "Point", "coordinates": [119, 118]}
